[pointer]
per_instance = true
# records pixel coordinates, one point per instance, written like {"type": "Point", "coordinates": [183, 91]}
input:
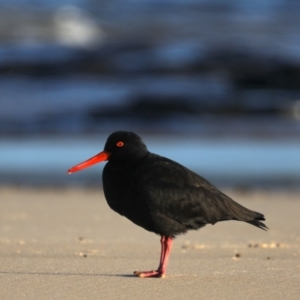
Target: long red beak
{"type": "Point", "coordinates": [102, 156]}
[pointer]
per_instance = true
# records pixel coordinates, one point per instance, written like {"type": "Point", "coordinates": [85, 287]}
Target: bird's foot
{"type": "Point", "coordinates": [153, 273]}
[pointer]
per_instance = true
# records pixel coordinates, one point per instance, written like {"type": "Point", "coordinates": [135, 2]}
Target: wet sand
{"type": "Point", "coordinates": [68, 244]}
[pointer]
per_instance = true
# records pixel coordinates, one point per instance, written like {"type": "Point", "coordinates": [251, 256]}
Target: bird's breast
{"type": "Point", "coordinates": [116, 184]}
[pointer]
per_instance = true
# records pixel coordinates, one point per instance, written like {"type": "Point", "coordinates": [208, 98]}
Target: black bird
{"type": "Point", "coordinates": [161, 195]}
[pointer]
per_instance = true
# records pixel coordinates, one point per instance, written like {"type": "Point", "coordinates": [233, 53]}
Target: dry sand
{"type": "Point", "coordinates": [67, 244]}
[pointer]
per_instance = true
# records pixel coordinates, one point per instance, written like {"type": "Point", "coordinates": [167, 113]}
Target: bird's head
{"type": "Point", "coordinates": [120, 146]}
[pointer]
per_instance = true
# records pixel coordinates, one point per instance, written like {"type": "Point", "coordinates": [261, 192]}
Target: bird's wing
{"type": "Point", "coordinates": [182, 195]}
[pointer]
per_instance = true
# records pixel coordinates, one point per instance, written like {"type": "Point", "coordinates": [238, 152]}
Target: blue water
{"type": "Point", "coordinates": [233, 162]}
{"type": "Point", "coordinates": [39, 99]}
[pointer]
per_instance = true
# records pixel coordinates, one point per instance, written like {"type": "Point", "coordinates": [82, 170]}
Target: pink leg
{"type": "Point", "coordinates": [166, 244]}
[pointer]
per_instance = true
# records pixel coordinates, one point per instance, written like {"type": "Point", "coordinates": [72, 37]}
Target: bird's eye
{"type": "Point", "coordinates": [120, 144]}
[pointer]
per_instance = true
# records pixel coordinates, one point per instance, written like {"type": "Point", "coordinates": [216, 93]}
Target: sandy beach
{"type": "Point", "coordinates": [68, 244]}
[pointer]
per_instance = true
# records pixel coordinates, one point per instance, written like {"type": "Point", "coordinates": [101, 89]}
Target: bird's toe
{"type": "Point", "coordinates": [152, 273]}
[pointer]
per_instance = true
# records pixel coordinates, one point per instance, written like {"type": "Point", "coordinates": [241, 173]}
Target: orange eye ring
{"type": "Point", "coordinates": [120, 144]}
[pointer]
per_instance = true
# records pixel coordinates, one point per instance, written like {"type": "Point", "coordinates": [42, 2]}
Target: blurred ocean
{"type": "Point", "coordinates": [225, 162]}
{"type": "Point", "coordinates": [213, 84]}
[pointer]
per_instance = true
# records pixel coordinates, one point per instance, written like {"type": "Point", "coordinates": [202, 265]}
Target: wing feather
{"type": "Point", "coordinates": [185, 197]}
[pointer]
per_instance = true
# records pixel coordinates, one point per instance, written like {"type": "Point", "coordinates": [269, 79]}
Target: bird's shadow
{"type": "Point", "coordinates": [66, 274]}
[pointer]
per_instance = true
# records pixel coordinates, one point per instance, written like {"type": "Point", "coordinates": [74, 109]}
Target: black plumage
{"type": "Point", "coordinates": [161, 195]}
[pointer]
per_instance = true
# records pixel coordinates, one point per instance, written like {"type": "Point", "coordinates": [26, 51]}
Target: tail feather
{"type": "Point", "coordinates": [258, 224]}
{"type": "Point", "coordinates": [241, 213]}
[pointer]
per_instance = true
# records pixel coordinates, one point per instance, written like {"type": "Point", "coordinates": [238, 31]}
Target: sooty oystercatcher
{"type": "Point", "coordinates": [161, 195]}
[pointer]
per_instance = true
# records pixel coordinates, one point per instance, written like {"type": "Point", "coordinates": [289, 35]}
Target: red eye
{"type": "Point", "coordinates": [120, 144]}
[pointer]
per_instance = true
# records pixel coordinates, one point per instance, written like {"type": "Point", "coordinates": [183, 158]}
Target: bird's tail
{"type": "Point", "coordinates": [256, 222]}
{"type": "Point", "coordinates": [241, 213]}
